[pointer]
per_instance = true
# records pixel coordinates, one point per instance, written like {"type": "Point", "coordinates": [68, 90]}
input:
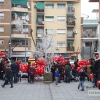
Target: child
{"type": "Point", "coordinates": [81, 76]}
{"type": "Point", "coordinates": [19, 76]}
{"type": "Point", "coordinates": [57, 76]}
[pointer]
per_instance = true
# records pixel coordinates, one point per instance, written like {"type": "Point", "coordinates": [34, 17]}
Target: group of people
{"type": "Point", "coordinates": [10, 72]}
{"type": "Point", "coordinates": [65, 72]}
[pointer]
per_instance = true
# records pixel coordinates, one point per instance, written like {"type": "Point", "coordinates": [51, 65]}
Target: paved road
{"type": "Point", "coordinates": [41, 91]}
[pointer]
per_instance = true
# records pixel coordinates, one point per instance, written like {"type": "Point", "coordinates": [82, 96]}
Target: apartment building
{"type": "Point", "coordinates": [61, 18]}
{"type": "Point", "coordinates": [13, 15]}
{"type": "Point", "coordinates": [89, 38]}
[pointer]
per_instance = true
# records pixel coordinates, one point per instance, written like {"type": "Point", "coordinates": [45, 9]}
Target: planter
{"type": "Point", "coordinates": [48, 77]}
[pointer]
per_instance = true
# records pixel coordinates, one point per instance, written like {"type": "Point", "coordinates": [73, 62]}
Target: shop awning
{"type": "Point", "coordinates": [70, 41]}
{"type": "Point", "coordinates": [49, 4]}
{"type": "Point", "coordinates": [40, 5]}
{"type": "Point", "coordinates": [19, 39]}
{"type": "Point", "coordinates": [40, 15]}
{"type": "Point", "coordinates": [69, 15]}
{"type": "Point", "coordinates": [20, 2]}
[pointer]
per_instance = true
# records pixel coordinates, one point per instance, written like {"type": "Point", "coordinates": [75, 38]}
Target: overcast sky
{"type": "Point", "coordinates": [87, 7]}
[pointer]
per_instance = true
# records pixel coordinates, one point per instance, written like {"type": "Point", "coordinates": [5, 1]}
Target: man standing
{"type": "Point", "coordinates": [67, 72]}
{"type": "Point", "coordinates": [14, 68]}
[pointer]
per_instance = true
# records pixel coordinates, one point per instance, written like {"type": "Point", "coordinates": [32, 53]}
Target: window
{"type": "Point", "coordinates": [1, 15]}
{"type": "Point", "coordinates": [23, 42]}
{"type": "Point", "coordinates": [88, 44]}
{"type": "Point", "coordinates": [25, 30]}
{"type": "Point", "coordinates": [70, 33]}
{"type": "Point", "coordinates": [1, 2]}
{"type": "Point", "coordinates": [61, 44]}
{"type": "Point", "coordinates": [70, 18]}
{"type": "Point", "coordinates": [51, 43]}
{"type": "Point", "coordinates": [70, 8]}
{"type": "Point", "coordinates": [40, 20]}
{"type": "Point", "coordinates": [1, 42]}
{"type": "Point", "coordinates": [61, 18]}
{"type": "Point", "coordinates": [39, 31]}
{"type": "Point", "coordinates": [61, 6]}
{"type": "Point", "coordinates": [50, 31]}
{"type": "Point", "coordinates": [49, 6]}
{"type": "Point", "coordinates": [61, 31]}
{"type": "Point", "coordinates": [49, 18]}
{"type": "Point", "coordinates": [1, 29]}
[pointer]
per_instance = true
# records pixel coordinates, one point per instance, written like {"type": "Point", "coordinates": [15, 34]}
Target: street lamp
{"type": "Point", "coordinates": [10, 32]}
{"type": "Point", "coordinates": [25, 37]}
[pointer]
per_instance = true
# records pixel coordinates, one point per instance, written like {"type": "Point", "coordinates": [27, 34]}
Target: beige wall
{"type": "Point", "coordinates": [33, 22]}
{"type": "Point", "coordinates": [77, 41]}
{"type": "Point", "coordinates": [60, 25]}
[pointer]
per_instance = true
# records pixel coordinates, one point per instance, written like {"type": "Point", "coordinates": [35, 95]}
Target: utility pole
{"type": "Point", "coordinates": [10, 52]}
{"type": "Point", "coordinates": [25, 38]}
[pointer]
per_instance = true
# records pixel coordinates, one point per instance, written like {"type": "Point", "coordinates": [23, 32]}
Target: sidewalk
{"type": "Point", "coordinates": [40, 91]}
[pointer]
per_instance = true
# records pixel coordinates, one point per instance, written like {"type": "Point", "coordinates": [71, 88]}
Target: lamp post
{"type": "Point", "coordinates": [25, 38]}
{"type": "Point", "coordinates": [10, 52]}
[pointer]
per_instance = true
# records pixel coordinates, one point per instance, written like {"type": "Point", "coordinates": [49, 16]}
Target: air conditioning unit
{"type": "Point", "coordinates": [74, 17]}
{"type": "Point", "coordinates": [35, 6]}
{"type": "Point", "coordinates": [75, 32]}
{"type": "Point", "coordinates": [57, 48]}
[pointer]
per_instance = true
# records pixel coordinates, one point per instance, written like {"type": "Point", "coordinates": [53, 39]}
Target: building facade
{"type": "Point", "coordinates": [89, 38]}
{"type": "Point", "coordinates": [15, 14]}
{"type": "Point", "coordinates": [60, 18]}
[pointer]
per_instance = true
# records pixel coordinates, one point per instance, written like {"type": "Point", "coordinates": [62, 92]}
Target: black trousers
{"type": "Point", "coordinates": [31, 78]}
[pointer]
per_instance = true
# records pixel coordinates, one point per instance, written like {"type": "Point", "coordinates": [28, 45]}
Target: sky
{"type": "Point", "coordinates": [87, 7]}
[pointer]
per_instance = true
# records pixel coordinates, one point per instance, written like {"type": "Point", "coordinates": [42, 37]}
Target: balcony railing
{"type": "Point", "coordinates": [70, 22]}
{"type": "Point", "coordinates": [70, 36]}
{"type": "Point", "coordinates": [40, 11]}
{"type": "Point", "coordinates": [71, 9]}
{"type": "Point", "coordinates": [19, 45]}
{"type": "Point", "coordinates": [70, 48]}
{"type": "Point", "coordinates": [89, 36]}
{"type": "Point", "coordinates": [40, 22]}
{"type": "Point", "coordinates": [39, 35]}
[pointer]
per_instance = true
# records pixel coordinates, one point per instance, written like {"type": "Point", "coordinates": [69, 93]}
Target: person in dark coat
{"type": "Point", "coordinates": [53, 72]}
{"type": "Point", "coordinates": [8, 75]}
{"type": "Point", "coordinates": [31, 73]}
{"type": "Point", "coordinates": [67, 72]}
{"type": "Point", "coordinates": [14, 68]}
{"type": "Point", "coordinates": [28, 70]}
{"type": "Point", "coordinates": [1, 69]}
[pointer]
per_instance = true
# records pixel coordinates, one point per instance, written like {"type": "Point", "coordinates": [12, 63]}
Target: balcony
{"type": "Point", "coordinates": [70, 49]}
{"type": "Point", "coordinates": [70, 10]}
{"type": "Point", "coordinates": [40, 23]}
{"type": "Point", "coordinates": [70, 23]}
{"type": "Point", "coordinates": [89, 35]}
{"type": "Point", "coordinates": [70, 37]}
{"type": "Point", "coordinates": [39, 35]}
{"type": "Point", "coordinates": [21, 16]}
{"type": "Point", "coordinates": [40, 11]}
{"type": "Point", "coordinates": [19, 8]}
